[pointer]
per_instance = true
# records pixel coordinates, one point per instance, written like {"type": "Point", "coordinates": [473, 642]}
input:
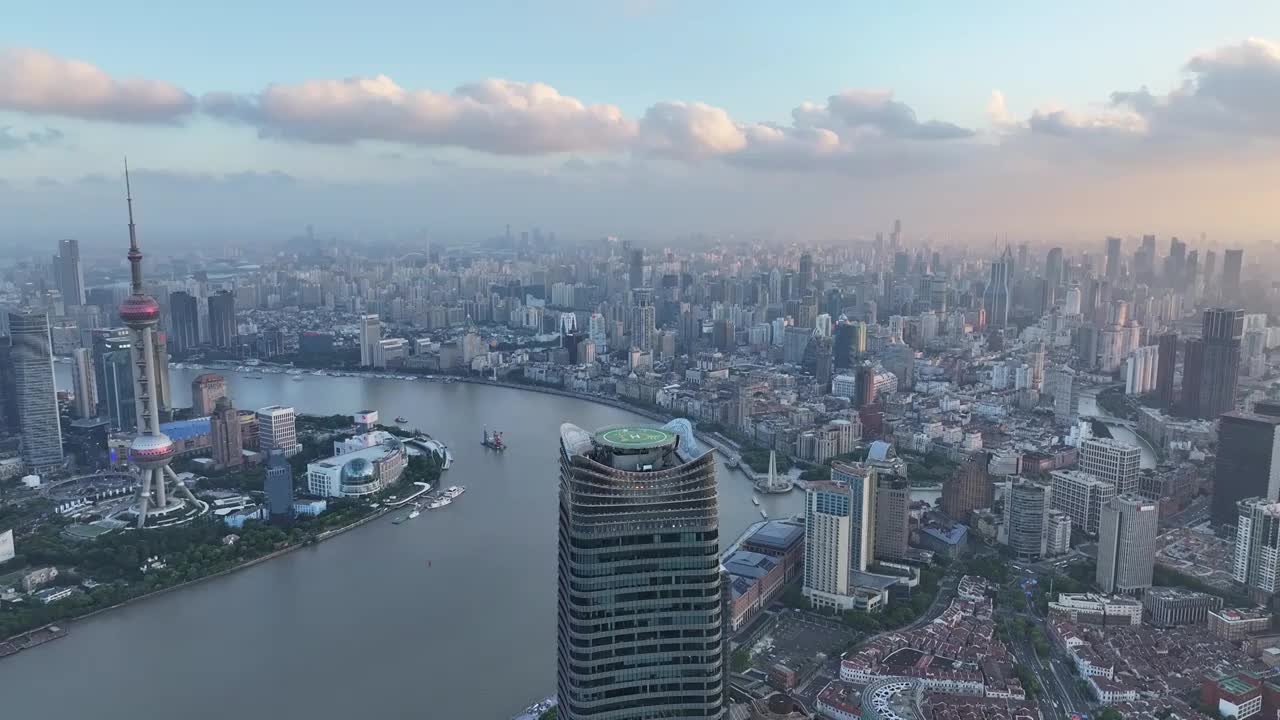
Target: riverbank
{"type": "Point", "coordinates": [373, 514]}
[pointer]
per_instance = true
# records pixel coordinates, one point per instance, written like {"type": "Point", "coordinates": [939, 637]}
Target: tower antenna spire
{"type": "Point", "coordinates": [135, 255]}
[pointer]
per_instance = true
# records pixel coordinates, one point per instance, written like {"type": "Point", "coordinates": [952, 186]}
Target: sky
{"type": "Point", "coordinates": [649, 119]}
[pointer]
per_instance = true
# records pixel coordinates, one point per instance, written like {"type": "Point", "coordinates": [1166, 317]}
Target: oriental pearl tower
{"type": "Point", "coordinates": [151, 450]}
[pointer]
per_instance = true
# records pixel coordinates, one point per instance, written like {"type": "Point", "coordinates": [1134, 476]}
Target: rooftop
{"type": "Point", "coordinates": [634, 437]}
{"type": "Point", "coordinates": [777, 534]}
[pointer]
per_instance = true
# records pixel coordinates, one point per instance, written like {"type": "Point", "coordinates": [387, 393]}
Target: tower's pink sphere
{"type": "Point", "coordinates": [140, 310]}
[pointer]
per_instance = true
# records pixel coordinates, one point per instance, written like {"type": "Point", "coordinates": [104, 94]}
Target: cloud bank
{"type": "Point", "coordinates": [1229, 94]}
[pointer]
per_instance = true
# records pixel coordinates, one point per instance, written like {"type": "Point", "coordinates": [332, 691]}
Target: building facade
{"type": "Point", "coordinates": [661, 492]}
{"type": "Point", "coordinates": [277, 430]}
{"type": "Point", "coordinates": [1081, 496]}
{"type": "Point", "coordinates": [892, 517]}
{"type": "Point", "coordinates": [1247, 464]}
{"type": "Point", "coordinates": [1027, 507]}
{"type": "Point", "coordinates": [225, 435]}
{"type": "Point", "coordinates": [206, 389]}
{"type": "Point", "coordinates": [1127, 544]}
{"type": "Point", "coordinates": [1256, 557]}
{"type": "Point", "coordinates": [37, 401]}
{"type": "Point", "coordinates": [1113, 461]}
{"type": "Point", "coordinates": [969, 488]}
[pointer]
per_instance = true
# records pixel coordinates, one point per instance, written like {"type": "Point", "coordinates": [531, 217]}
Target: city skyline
{"type": "Point", "coordinates": [455, 149]}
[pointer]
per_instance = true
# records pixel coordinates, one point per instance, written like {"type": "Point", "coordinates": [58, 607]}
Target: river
{"type": "Point", "coordinates": [451, 615]}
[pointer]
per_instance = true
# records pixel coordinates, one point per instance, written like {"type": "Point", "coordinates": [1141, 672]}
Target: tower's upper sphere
{"type": "Point", "coordinates": [140, 310]}
{"type": "Point", "coordinates": [148, 451]}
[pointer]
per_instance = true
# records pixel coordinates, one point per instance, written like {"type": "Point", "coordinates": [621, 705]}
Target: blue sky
{"type": "Point", "coordinates": [707, 95]}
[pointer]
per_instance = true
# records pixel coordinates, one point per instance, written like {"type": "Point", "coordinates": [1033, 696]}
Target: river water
{"type": "Point", "coordinates": [451, 615]}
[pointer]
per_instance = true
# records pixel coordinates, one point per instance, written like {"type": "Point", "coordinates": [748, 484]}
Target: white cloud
{"type": "Point", "coordinates": [39, 82]}
{"type": "Point", "coordinates": [874, 112]}
{"type": "Point", "coordinates": [494, 116]}
{"type": "Point", "coordinates": [689, 131]}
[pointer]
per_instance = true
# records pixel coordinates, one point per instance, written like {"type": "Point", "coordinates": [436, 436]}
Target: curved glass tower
{"type": "Point", "coordinates": [640, 607]}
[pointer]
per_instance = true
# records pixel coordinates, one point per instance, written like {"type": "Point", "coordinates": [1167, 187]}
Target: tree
{"type": "Point", "coordinates": [1110, 713]}
{"type": "Point", "coordinates": [741, 660]}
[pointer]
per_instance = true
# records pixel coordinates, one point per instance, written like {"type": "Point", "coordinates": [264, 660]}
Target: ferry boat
{"type": "Point", "coordinates": [493, 440]}
{"type": "Point", "coordinates": [764, 514]}
{"type": "Point", "coordinates": [454, 491]}
{"type": "Point", "coordinates": [438, 503]}
{"type": "Point", "coordinates": [297, 378]}
{"type": "Point", "coordinates": [402, 420]}
{"type": "Point", "coordinates": [415, 513]}
{"type": "Point", "coordinates": [400, 519]}
{"type": "Point", "coordinates": [755, 500]}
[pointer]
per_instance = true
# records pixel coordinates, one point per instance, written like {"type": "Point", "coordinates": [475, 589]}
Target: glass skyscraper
{"type": "Point", "coordinates": [640, 611]}
{"type": "Point", "coordinates": [37, 401]}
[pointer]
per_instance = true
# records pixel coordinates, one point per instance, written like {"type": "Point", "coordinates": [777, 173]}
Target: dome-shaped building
{"type": "Point", "coordinates": [359, 478]}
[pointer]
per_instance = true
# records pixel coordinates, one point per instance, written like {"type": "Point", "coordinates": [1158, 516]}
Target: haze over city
{"type": "Point", "coordinates": [650, 120]}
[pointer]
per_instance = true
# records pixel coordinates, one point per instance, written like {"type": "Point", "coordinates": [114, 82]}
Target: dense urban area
{"type": "Point", "coordinates": [1037, 482]}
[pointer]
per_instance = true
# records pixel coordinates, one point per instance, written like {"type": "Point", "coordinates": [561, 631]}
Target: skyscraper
{"type": "Point", "coordinates": [635, 269]}
{"type": "Point", "coordinates": [70, 274]}
{"type": "Point", "coordinates": [206, 388]}
{"type": "Point", "coordinates": [1232, 262]}
{"type": "Point", "coordinates": [1127, 544]}
{"type": "Point", "coordinates": [37, 401]}
{"type": "Point", "coordinates": [1166, 363]}
{"type": "Point", "coordinates": [1054, 274]}
{"type": "Point", "coordinates": [370, 340]}
{"type": "Point", "coordinates": [1257, 546]}
{"type": "Point", "coordinates": [1113, 258]}
{"type": "Point", "coordinates": [643, 317]}
{"type": "Point", "coordinates": [1247, 464]}
{"type": "Point", "coordinates": [661, 506]}
{"type": "Point", "coordinates": [892, 516]}
{"type": "Point", "coordinates": [224, 433]}
{"type": "Point", "coordinates": [1212, 365]}
{"type": "Point", "coordinates": [1081, 496]}
{"type": "Point", "coordinates": [113, 376]}
{"type": "Point", "coordinates": [806, 273]}
{"type": "Point", "coordinates": [969, 488]}
{"type": "Point", "coordinates": [862, 482]}
{"type": "Point", "coordinates": [279, 487]}
{"type": "Point", "coordinates": [996, 298]}
{"type": "Point", "coordinates": [83, 384]}
{"type": "Point", "coordinates": [9, 421]}
{"type": "Point", "coordinates": [184, 320]}
{"type": "Point", "coordinates": [1113, 461]}
{"type": "Point", "coordinates": [151, 450]}
{"type": "Point", "coordinates": [1026, 511]}
{"type": "Point", "coordinates": [222, 320]}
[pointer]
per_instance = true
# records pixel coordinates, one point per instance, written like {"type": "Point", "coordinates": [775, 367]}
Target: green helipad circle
{"type": "Point", "coordinates": [635, 438]}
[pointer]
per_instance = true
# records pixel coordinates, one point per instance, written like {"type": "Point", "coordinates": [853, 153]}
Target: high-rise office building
{"type": "Point", "coordinates": [866, 387]}
{"type": "Point", "coordinates": [1142, 370]}
{"type": "Point", "coordinates": [70, 274]}
{"type": "Point", "coordinates": [1112, 271]}
{"type": "Point", "coordinates": [1081, 496]}
{"type": "Point", "coordinates": [1232, 263]}
{"type": "Point", "coordinates": [643, 319]}
{"type": "Point", "coordinates": [184, 322]}
{"type": "Point", "coordinates": [1247, 464]}
{"type": "Point", "coordinates": [1027, 506]}
{"type": "Point", "coordinates": [278, 430]}
{"type": "Point", "coordinates": [279, 487]}
{"type": "Point", "coordinates": [1054, 275]}
{"type": "Point", "coordinates": [996, 297]}
{"type": "Point", "coordinates": [661, 491]}
{"type": "Point", "coordinates": [113, 376]}
{"type": "Point", "coordinates": [1113, 461]}
{"type": "Point", "coordinates": [806, 273]}
{"type": "Point", "coordinates": [892, 516]}
{"type": "Point", "coordinates": [1212, 365]}
{"type": "Point", "coordinates": [370, 340]}
{"type": "Point", "coordinates": [1127, 544]}
{"type": "Point", "coordinates": [83, 384]}
{"type": "Point", "coordinates": [1256, 559]}
{"type": "Point", "coordinates": [206, 388]}
{"type": "Point", "coordinates": [9, 421]}
{"type": "Point", "coordinates": [635, 269]}
{"type": "Point", "coordinates": [225, 433]}
{"type": "Point", "coordinates": [1166, 364]}
{"type": "Point", "coordinates": [968, 488]}
{"type": "Point", "coordinates": [222, 320]}
{"type": "Point", "coordinates": [37, 401]}
{"type": "Point", "coordinates": [839, 534]}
